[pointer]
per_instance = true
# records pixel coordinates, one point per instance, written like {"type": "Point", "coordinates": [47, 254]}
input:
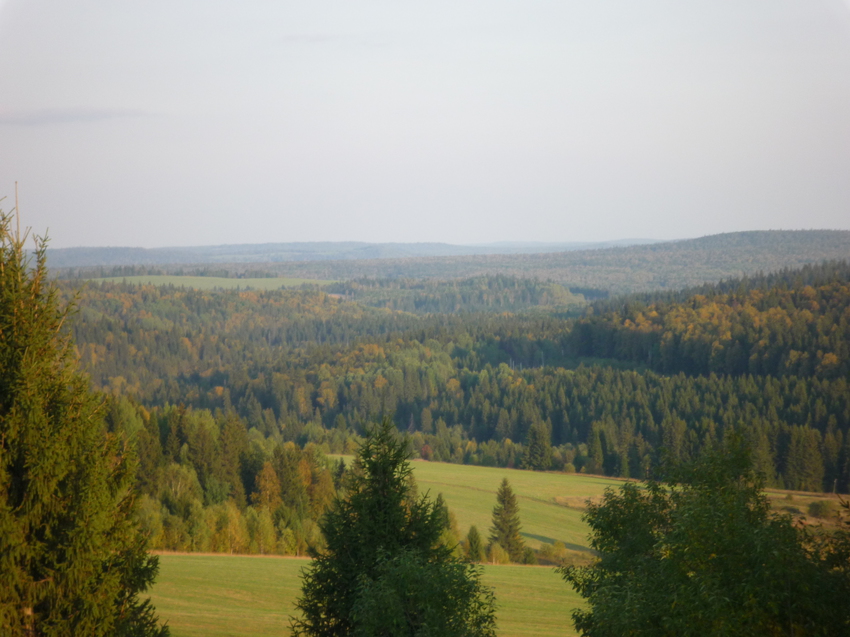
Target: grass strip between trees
{"type": "Point", "coordinates": [223, 596]}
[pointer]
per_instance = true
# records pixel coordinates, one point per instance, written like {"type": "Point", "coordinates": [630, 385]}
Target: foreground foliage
{"type": "Point", "coordinates": [72, 561]}
{"type": "Point", "coordinates": [701, 554]}
{"type": "Point", "coordinates": [385, 570]}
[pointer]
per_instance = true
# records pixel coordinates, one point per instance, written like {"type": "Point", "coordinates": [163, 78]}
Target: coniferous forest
{"type": "Point", "coordinates": [234, 398]}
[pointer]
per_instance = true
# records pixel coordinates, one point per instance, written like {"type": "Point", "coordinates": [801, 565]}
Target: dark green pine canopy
{"type": "Point", "coordinates": [506, 525]}
{"type": "Point", "coordinates": [72, 561]}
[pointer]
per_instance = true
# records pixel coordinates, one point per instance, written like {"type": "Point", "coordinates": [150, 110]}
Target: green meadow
{"type": "Point", "coordinates": [550, 504]}
{"type": "Point", "coordinates": [212, 282]}
{"type": "Point", "coordinates": [228, 595]}
{"type": "Point", "coordinates": [218, 595]}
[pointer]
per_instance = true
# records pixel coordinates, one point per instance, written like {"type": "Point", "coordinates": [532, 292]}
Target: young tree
{"type": "Point", "coordinates": [702, 554]}
{"type": "Point", "coordinates": [506, 526]}
{"type": "Point", "coordinates": [474, 545]}
{"type": "Point", "coordinates": [384, 570]}
{"type": "Point", "coordinates": [72, 559]}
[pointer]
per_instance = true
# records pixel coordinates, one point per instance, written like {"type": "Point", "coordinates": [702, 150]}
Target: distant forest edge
{"type": "Point", "coordinates": [618, 391]}
{"type": "Point", "coordinates": [207, 282]}
{"type": "Point", "coordinates": [592, 273]}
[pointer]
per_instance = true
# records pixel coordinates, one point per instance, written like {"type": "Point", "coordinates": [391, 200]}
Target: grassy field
{"type": "Point", "coordinates": [213, 282]}
{"type": "Point", "coordinates": [218, 595]}
{"type": "Point", "coordinates": [223, 595]}
{"type": "Point", "coordinates": [550, 504]}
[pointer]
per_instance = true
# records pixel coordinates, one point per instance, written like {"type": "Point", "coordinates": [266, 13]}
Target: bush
{"type": "Point", "coordinates": [823, 509]}
{"type": "Point", "coordinates": [529, 556]}
{"type": "Point", "coordinates": [497, 555]}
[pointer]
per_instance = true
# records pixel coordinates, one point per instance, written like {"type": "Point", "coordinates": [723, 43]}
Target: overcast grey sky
{"type": "Point", "coordinates": [198, 122]}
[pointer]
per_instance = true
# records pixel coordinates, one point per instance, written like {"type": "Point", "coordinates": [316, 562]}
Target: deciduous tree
{"type": "Point", "coordinates": [702, 554]}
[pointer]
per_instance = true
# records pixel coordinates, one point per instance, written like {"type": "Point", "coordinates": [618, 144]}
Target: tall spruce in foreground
{"type": "Point", "coordinates": [72, 561]}
{"type": "Point", "coordinates": [384, 570]}
{"type": "Point", "coordinates": [506, 526]}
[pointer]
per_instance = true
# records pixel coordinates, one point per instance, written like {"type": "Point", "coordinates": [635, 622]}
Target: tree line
{"type": "Point", "coordinates": [489, 293]}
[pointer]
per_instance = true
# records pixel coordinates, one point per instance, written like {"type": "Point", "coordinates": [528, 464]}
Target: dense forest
{"type": "Point", "coordinates": [235, 398]}
{"type": "Point", "coordinates": [489, 293]}
{"type": "Point", "coordinates": [799, 329]}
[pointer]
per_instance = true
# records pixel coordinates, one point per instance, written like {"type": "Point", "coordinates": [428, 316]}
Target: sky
{"type": "Point", "coordinates": [204, 122]}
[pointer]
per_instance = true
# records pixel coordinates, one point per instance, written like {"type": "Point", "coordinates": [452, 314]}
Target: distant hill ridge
{"type": "Point", "coordinates": [631, 269]}
{"type": "Point", "coordinates": [302, 251]}
{"type": "Point", "coordinates": [618, 270]}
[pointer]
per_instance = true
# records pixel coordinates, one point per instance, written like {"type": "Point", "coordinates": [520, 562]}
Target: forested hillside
{"type": "Point", "coordinates": [491, 293]}
{"type": "Point", "coordinates": [234, 397]}
{"type": "Point", "coordinates": [802, 330]}
{"type": "Point", "coordinates": [297, 364]}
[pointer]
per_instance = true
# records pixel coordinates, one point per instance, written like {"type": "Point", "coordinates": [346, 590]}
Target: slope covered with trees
{"type": "Point", "coordinates": [533, 390]}
{"type": "Point", "coordinates": [798, 329]}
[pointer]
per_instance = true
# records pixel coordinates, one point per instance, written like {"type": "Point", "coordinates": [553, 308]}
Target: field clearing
{"type": "Point", "coordinates": [229, 595]}
{"type": "Point", "coordinates": [212, 282]}
{"type": "Point", "coordinates": [550, 504]}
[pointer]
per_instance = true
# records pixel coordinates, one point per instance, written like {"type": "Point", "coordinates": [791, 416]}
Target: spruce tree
{"type": "Point", "coordinates": [474, 546]}
{"type": "Point", "coordinates": [72, 560]}
{"type": "Point", "coordinates": [539, 453]}
{"type": "Point", "coordinates": [506, 526]}
{"type": "Point", "coordinates": [384, 570]}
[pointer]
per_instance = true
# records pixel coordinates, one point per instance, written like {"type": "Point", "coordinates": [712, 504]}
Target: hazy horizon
{"type": "Point", "coordinates": [627, 241]}
{"type": "Point", "coordinates": [176, 124]}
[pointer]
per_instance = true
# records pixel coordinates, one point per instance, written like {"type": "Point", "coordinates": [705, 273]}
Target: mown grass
{"type": "Point", "coordinates": [223, 596]}
{"type": "Point", "coordinates": [219, 595]}
{"type": "Point", "coordinates": [550, 504]}
{"type": "Point", "coordinates": [212, 282]}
